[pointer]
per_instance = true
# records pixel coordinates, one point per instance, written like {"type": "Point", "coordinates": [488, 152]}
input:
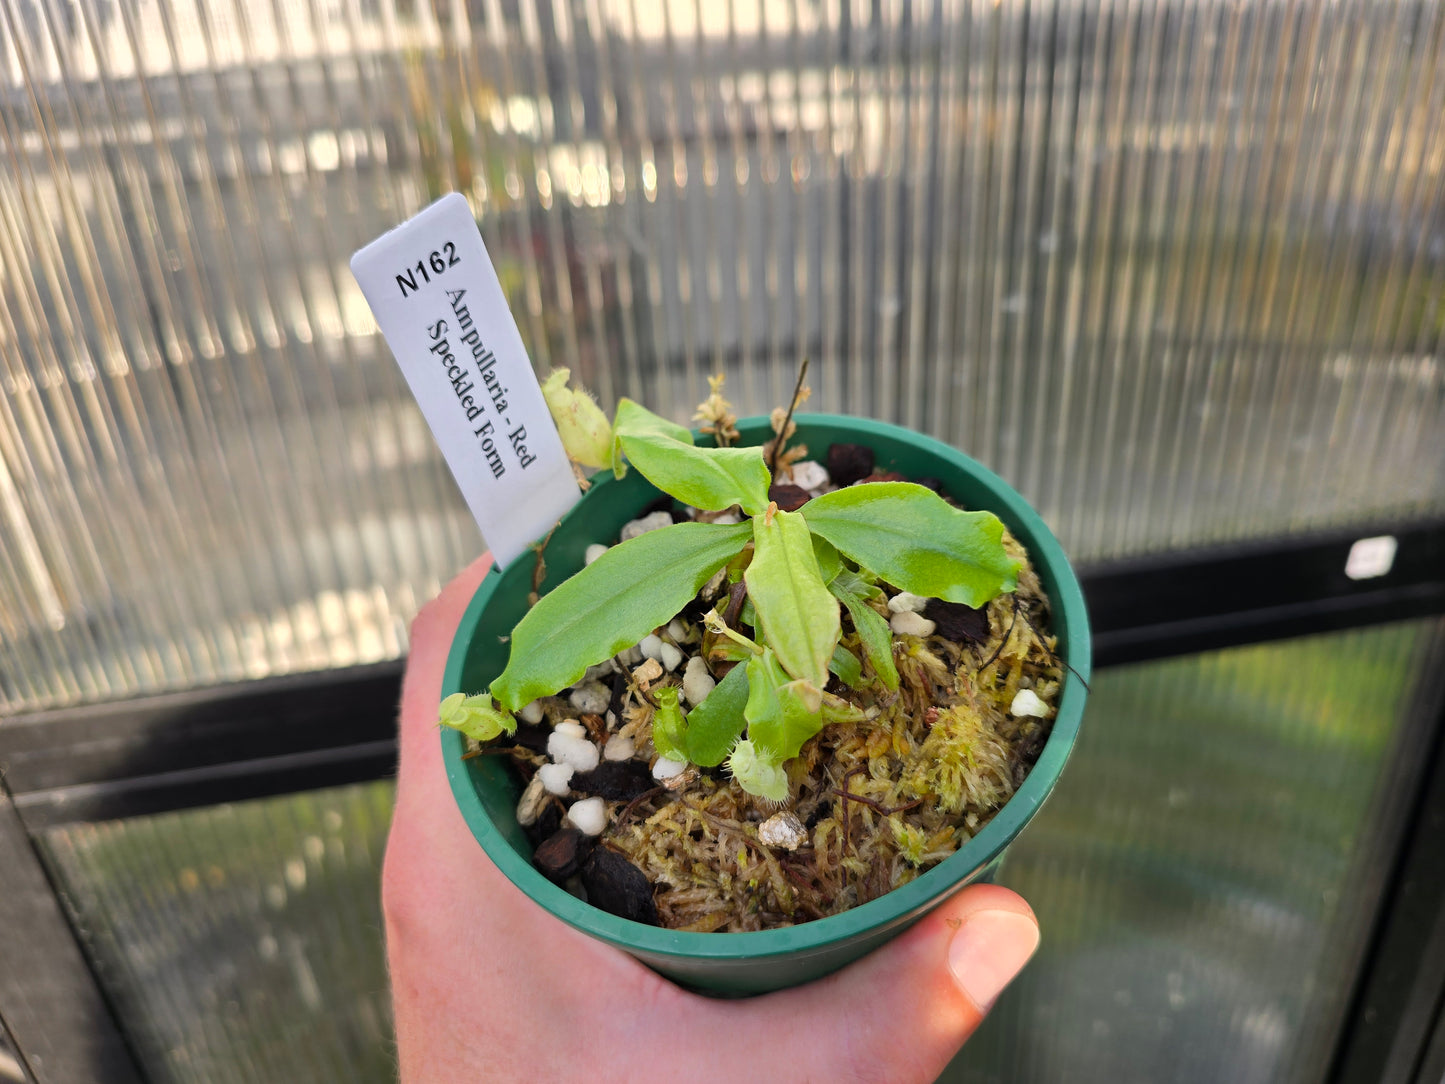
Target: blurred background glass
{"type": "Point", "coordinates": [1175, 269]}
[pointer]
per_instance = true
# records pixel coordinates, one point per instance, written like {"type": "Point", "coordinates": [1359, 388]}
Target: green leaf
{"type": "Point", "coordinates": [611, 604]}
{"type": "Point", "coordinates": [668, 726]}
{"type": "Point", "coordinates": [830, 564]}
{"type": "Point", "coordinates": [758, 773]}
{"type": "Point", "coordinates": [797, 616]}
{"type": "Point", "coordinates": [714, 725]}
{"type": "Point", "coordinates": [874, 635]}
{"type": "Point", "coordinates": [475, 716]}
{"type": "Point", "coordinates": [915, 540]}
{"type": "Point", "coordinates": [708, 478]}
{"type": "Point", "coordinates": [781, 714]}
{"type": "Point", "coordinates": [846, 665]}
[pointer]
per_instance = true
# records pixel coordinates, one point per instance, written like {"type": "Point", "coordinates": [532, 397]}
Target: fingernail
{"type": "Point", "coordinates": [989, 949]}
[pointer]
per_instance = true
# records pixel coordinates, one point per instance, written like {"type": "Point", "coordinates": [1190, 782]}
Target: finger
{"type": "Point", "coordinates": [902, 1012]}
{"type": "Point", "coordinates": [431, 639]}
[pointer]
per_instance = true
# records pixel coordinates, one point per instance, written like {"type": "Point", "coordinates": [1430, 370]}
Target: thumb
{"type": "Point", "coordinates": [906, 1008]}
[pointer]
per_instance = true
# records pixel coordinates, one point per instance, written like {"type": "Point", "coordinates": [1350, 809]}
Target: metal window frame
{"type": "Point", "coordinates": [280, 736]}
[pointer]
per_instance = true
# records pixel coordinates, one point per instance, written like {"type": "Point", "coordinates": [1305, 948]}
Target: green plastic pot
{"type": "Point", "coordinates": [487, 790]}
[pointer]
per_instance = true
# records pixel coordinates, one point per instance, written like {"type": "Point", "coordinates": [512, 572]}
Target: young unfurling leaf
{"type": "Point", "coordinates": [846, 665]}
{"type": "Point", "coordinates": [874, 635]}
{"type": "Point", "coordinates": [798, 617]}
{"type": "Point", "coordinates": [709, 478]}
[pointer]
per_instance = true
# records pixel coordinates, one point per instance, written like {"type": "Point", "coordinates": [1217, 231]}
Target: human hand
{"type": "Point", "coordinates": [486, 985]}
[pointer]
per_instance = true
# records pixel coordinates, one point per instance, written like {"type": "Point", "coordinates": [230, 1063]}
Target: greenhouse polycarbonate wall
{"type": "Point", "coordinates": [1174, 269]}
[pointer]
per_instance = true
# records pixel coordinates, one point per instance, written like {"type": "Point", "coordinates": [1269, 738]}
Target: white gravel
{"type": "Point", "coordinates": [589, 816]}
{"type": "Point", "coordinates": [810, 475]}
{"type": "Point", "coordinates": [666, 769]}
{"type": "Point", "coordinates": [904, 602]}
{"type": "Point", "coordinates": [590, 698]}
{"type": "Point", "coordinates": [651, 646]}
{"type": "Point", "coordinates": [1027, 702]}
{"type": "Point", "coordinates": [556, 777]}
{"type": "Point", "coordinates": [619, 747]}
{"type": "Point", "coordinates": [578, 753]}
{"type": "Point", "coordinates": [671, 656]}
{"type": "Point", "coordinates": [696, 681]}
{"type": "Point", "coordinates": [532, 713]}
{"type": "Point", "coordinates": [647, 523]}
{"type": "Point", "coordinates": [909, 623]}
{"type": "Point", "coordinates": [594, 551]}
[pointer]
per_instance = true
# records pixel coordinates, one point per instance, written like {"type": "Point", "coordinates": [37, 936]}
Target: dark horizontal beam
{"type": "Point", "coordinates": [279, 736]}
{"type": "Point", "coordinates": [1186, 602]}
{"type": "Point", "coordinates": [182, 750]}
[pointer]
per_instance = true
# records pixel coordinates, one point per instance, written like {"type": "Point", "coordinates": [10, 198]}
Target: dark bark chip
{"type": "Point", "coordinates": [847, 463]}
{"type": "Point", "coordinates": [789, 498]}
{"type": "Point", "coordinates": [532, 737]}
{"type": "Point", "coordinates": [615, 780]}
{"type": "Point", "coordinates": [935, 484]}
{"type": "Point", "coordinates": [562, 854]}
{"type": "Point", "coordinates": [957, 622]}
{"type": "Point", "coordinates": [618, 887]}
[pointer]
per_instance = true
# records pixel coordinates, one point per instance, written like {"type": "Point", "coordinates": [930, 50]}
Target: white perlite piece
{"type": "Point", "coordinates": [629, 656]}
{"type": "Point", "coordinates": [532, 713]}
{"type": "Point", "coordinates": [594, 551]}
{"type": "Point", "coordinates": [578, 753]}
{"type": "Point", "coordinates": [677, 629]}
{"type": "Point", "coordinates": [1027, 702]}
{"type": "Point", "coordinates": [727, 519]}
{"type": "Point", "coordinates": [647, 523]}
{"type": "Point", "coordinates": [671, 656]}
{"type": "Point", "coordinates": [555, 777]}
{"type": "Point", "coordinates": [590, 698]}
{"type": "Point", "coordinates": [598, 675]}
{"type": "Point", "coordinates": [909, 623]}
{"type": "Point", "coordinates": [571, 727]}
{"type": "Point", "coordinates": [529, 806]}
{"type": "Point", "coordinates": [651, 646]}
{"type": "Point", "coordinates": [589, 816]}
{"type": "Point", "coordinates": [619, 747]}
{"type": "Point", "coordinates": [905, 602]}
{"type": "Point", "coordinates": [666, 769]}
{"type": "Point", "coordinates": [810, 475]}
{"type": "Point", "coordinates": [696, 681]}
{"type": "Point", "coordinates": [782, 830]}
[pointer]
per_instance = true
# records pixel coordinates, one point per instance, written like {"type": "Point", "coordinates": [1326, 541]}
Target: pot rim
{"type": "Point", "coordinates": [900, 904]}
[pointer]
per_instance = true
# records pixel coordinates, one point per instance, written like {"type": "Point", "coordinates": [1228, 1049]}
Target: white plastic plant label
{"type": "Point", "coordinates": [435, 295]}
